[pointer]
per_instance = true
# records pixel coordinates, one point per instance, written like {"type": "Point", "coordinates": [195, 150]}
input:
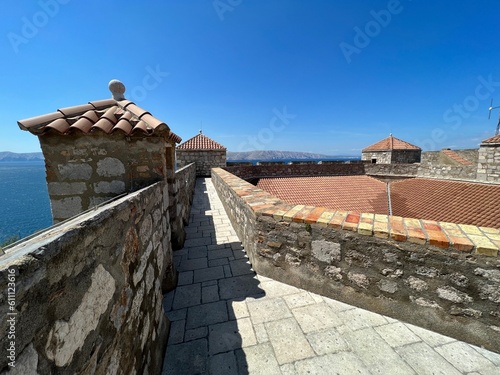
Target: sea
{"type": "Point", "coordinates": [24, 199]}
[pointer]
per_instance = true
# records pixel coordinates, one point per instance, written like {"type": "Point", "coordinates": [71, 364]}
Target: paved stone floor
{"type": "Point", "coordinates": [228, 320]}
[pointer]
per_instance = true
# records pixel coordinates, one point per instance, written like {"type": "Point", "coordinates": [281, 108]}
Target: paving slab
{"type": "Point", "coordinates": [288, 341]}
{"type": "Point", "coordinates": [225, 319]}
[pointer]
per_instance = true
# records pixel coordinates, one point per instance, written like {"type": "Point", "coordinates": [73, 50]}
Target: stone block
{"type": "Point", "coordinates": [110, 167]}
{"type": "Point", "coordinates": [66, 188]}
{"type": "Point", "coordinates": [106, 187]}
{"type": "Point", "coordinates": [66, 207]}
{"type": "Point", "coordinates": [75, 171]}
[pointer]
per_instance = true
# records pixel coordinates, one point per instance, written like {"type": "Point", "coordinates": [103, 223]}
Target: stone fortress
{"type": "Point", "coordinates": [89, 290]}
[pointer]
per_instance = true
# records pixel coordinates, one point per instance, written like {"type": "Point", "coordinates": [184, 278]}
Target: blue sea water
{"type": "Point", "coordinates": [24, 199]}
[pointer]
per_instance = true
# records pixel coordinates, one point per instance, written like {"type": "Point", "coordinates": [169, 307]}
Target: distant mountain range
{"type": "Point", "coordinates": [7, 156]}
{"type": "Point", "coordinates": [280, 155]}
{"type": "Point", "coordinates": [13, 156]}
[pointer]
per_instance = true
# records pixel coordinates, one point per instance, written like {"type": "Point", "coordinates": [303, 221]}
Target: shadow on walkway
{"type": "Point", "coordinates": [210, 322]}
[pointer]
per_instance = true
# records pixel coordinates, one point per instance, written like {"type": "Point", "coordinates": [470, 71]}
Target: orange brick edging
{"type": "Point", "coordinates": [460, 237]}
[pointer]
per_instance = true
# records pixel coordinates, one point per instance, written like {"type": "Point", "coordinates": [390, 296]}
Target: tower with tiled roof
{"type": "Point", "coordinates": [203, 151]}
{"type": "Point", "coordinates": [96, 151]}
{"type": "Point", "coordinates": [391, 150]}
{"type": "Point", "coordinates": [488, 167]}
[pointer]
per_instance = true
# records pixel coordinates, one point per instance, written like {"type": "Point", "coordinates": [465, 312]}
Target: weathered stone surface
{"type": "Point", "coordinates": [492, 275]}
{"type": "Point", "coordinates": [67, 188]}
{"type": "Point", "coordinates": [388, 286]}
{"type": "Point", "coordinates": [459, 280]}
{"type": "Point", "coordinates": [66, 207]}
{"type": "Point", "coordinates": [75, 171]}
{"type": "Point", "coordinates": [456, 310]}
{"type": "Point", "coordinates": [113, 187]}
{"type": "Point", "coordinates": [425, 302]}
{"type": "Point", "coordinates": [430, 272]}
{"type": "Point", "coordinates": [326, 251]}
{"type": "Point", "coordinates": [26, 363]}
{"type": "Point", "coordinates": [65, 338]}
{"type": "Point", "coordinates": [359, 279]}
{"type": "Point", "coordinates": [417, 284]}
{"type": "Point", "coordinates": [334, 273]}
{"type": "Point", "coordinates": [451, 294]}
{"type": "Point", "coordinates": [110, 167]}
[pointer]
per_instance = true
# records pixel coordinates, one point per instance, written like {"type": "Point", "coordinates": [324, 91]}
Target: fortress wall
{"type": "Point", "coordinates": [391, 169]}
{"type": "Point", "coordinates": [459, 172]}
{"type": "Point", "coordinates": [488, 168]}
{"type": "Point", "coordinates": [441, 276]}
{"type": "Point", "coordinates": [247, 172]}
{"type": "Point", "coordinates": [426, 170]}
{"type": "Point", "coordinates": [204, 159]}
{"type": "Point", "coordinates": [181, 190]}
{"type": "Point", "coordinates": [86, 296]}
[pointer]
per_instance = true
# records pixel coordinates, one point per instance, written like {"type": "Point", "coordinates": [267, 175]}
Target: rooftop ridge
{"type": "Point", "coordinates": [391, 143]}
{"type": "Point", "coordinates": [200, 142]}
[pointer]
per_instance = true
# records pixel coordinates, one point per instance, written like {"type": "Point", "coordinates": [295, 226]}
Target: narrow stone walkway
{"type": "Point", "coordinates": [228, 320]}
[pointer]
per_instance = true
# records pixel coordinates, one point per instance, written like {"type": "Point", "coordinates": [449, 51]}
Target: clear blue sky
{"type": "Point", "coordinates": [317, 76]}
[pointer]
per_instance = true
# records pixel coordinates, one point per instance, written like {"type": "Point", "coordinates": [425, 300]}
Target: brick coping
{"type": "Point", "coordinates": [459, 237]}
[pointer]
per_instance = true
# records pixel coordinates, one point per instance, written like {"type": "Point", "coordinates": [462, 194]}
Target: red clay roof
{"type": "Point", "coordinates": [449, 201]}
{"type": "Point", "coordinates": [391, 143]}
{"type": "Point", "coordinates": [348, 193]}
{"type": "Point", "coordinates": [494, 139]}
{"type": "Point", "coordinates": [107, 115]}
{"type": "Point", "coordinates": [428, 199]}
{"type": "Point", "coordinates": [200, 142]}
{"type": "Point", "coordinates": [455, 157]}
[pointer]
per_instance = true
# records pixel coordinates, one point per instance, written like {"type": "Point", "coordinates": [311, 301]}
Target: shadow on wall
{"type": "Point", "coordinates": [215, 277]}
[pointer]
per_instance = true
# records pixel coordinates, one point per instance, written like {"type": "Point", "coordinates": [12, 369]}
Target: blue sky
{"type": "Point", "coordinates": [317, 76]}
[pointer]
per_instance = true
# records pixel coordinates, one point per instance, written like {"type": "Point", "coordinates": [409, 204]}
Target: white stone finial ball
{"type": "Point", "coordinates": [117, 89]}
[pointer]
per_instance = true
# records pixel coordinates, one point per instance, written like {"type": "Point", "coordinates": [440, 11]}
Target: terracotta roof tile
{"type": "Point", "coordinates": [431, 200]}
{"type": "Point", "coordinates": [391, 143]}
{"type": "Point", "coordinates": [494, 139]}
{"type": "Point", "coordinates": [455, 157]}
{"type": "Point", "coordinates": [105, 115]}
{"type": "Point", "coordinates": [200, 142]}
{"type": "Point", "coordinates": [450, 201]}
{"type": "Point", "coordinates": [348, 193]}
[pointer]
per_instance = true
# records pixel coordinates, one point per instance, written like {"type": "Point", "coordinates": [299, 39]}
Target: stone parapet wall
{"type": "Point", "coordinates": [437, 158]}
{"type": "Point", "coordinates": [488, 167]}
{"type": "Point", "coordinates": [440, 276]}
{"type": "Point", "coordinates": [87, 293]}
{"type": "Point", "coordinates": [86, 170]}
{"type": "Point", "coordinates": [462, 172]}
{"type": "Point", "coordinates": [407, 170]}
{"type": "Point", "coordinates": [181, 190]}
{"type": "Point", "coordinates": [205, 160]}
{"type": "Point", "coordinates": [247, 172]}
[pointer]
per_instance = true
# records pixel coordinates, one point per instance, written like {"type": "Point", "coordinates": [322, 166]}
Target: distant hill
{"type": "Point", "coordinates": [279, 155]}
{"type": "Point", "coordinates": [12, 156]}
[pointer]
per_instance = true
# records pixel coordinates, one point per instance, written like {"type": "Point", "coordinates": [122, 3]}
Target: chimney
{"type": "Point", "coordinates": [96, 151]}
